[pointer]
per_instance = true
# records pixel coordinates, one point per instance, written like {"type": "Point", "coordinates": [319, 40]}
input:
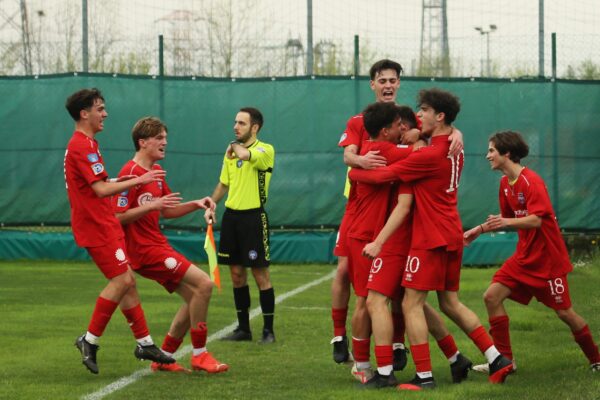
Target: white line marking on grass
{"type": "Point", "coordinates": [127, 380]}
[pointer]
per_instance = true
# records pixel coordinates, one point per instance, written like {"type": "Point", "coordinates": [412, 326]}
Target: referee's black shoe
{"type": "Point", "coordinates": [239, 335]}
{"type": "Point", "coordinates": [152, 353]}
{"type": "Point", "coordinates": [267, 337]}
{"type": "Point", "coordinates": [88, 353]}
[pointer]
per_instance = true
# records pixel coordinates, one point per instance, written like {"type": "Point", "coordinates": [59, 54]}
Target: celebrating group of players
{"type": "Point", "coordinates": [401, 236]}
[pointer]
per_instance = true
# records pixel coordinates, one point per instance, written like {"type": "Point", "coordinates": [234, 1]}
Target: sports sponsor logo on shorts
{"type": "Point", "coordinates": [239, 163]}
{"type": "Point", "coordinates": [252, 254]}
{"type": "Point", "coordinates": [120, 255]}
{"type": "Point", "coordinates": [92, 157]}
{"type": "Point", "coordinates": [98, 168]}
{"type": "Point", "coordinates": [171, 263]}
{"type": "Point", "coordinates": [122, 201]}
{"type": "Point", "coordinates": [144, 198]}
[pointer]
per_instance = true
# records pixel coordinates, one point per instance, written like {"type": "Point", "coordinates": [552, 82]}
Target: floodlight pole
{"type": "Point", "coordinates": [309, 38]}
{"type": "Point", "coordinates": [486, 31]}
{"type": "Point", "coordinates": [84, 35]}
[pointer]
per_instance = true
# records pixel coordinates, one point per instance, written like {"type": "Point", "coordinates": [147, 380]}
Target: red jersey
{"type": "Point", "coordinates": [399, 241]}
{"type": "Point", "coordinates": [356, 134]}
{"type": "Point", "coordinates": [436, 177]}
{"type": "Point", "coordinates": [541, 252]}
{"type": "Point", "coordinates": [92, 219]}
{"type": "Point", "coordinates": [143, 234]}
{"type": "Point", "coordinates": [373, 201]}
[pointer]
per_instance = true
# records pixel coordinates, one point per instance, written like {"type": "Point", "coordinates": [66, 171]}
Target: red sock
{"type": "Point", "coordinates": [421, 357]}
{"type": "Point", "coordinates": [481, 339]}
{"type": "Point", "coordinates": [361, 349]}
{"type": "Point", "coordinates": [198, 335]}
{"type": "Point", "coordinates": [585, 340]}
{"type": "Point", "coordinates": [101, 316]}
{"type": "Point", "coordinates": [171, 344]}
{"type": "Point", "coordinates": [384, 355]}
{"type": "Point", "coordinates": [137, 321]}
{"type": "Point", "coordinates": [448, 346]}
{"type": "Point", "coordinates": [501, 335]}
{"type": "Point", "coordinates": [399, 328]}
{"type": "Point", "coordinates": [339, 315]}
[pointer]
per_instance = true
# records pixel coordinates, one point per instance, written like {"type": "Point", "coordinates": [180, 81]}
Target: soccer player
{"type": "Point", "coordinates": [97, 230]}
{"type": "Point", "coordinates": [434, 259]}
{"type": "Point", "coordinates": [139, 209]}
{"type": "Point", "coordinates": [541, 263]}
{"type": "Point", "coordinates": [378, 282]}
{"type": "Point", "coordinates": [245, 176]}
{"type": "Point", "coordinates": [385, 83]}
{"type": "Point", "coordinates": [385, 272]}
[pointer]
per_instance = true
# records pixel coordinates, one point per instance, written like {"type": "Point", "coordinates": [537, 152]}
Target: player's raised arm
{"type": "Point", "coordinates": [108, 188]}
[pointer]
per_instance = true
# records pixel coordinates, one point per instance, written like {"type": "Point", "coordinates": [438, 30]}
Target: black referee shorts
{"type": "Point", "coordinates": [245, 238]}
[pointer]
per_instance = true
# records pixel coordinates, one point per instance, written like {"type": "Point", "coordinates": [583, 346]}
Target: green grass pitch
{"type": "Point", "coordinates": [45, 305]}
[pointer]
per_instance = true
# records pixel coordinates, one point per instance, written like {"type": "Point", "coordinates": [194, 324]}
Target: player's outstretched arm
{"type": "Point", "coordinates": [108, 188]}
{"type": "Point", "coordinates": [394, 221]}
{"type": "Point", "coordinates": [497, 222]}
{"type": "Point", "coordinates": [185, 208]}
{"type": "Point", "coordinates": [472, 234]}
{"type": "Point", "coordinates": [165, 202]}
{"type": "Point", "coordinates": [373, 177]}
{"type": "Point", "coordinates": [370, 160]}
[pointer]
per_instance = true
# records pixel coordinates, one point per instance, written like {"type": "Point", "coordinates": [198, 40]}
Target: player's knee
{"type": "Point", "coordinates": [568, 316]}
{"type": "Point", "coordinates": [203, 287]}
{"type": "Point", "coordinates": [490, 298]}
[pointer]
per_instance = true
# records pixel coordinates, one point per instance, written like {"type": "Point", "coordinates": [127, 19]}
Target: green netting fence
{"type": "Point", "coordinates": [304, 119]}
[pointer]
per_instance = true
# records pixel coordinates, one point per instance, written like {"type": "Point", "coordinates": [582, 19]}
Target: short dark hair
{"type": "Point", "coordinates": [407, 115]}
{"type": "Point", "coordinates": [145, 128]}
{"type": "Point", "coordinates": [83, 99]}
{"type": "Point", "coordinates": [441, 101]}
{"type": "Point", "coordinates": [385, 64]}
{"type": "Point", "coordinates": [378, 116]}
{"type": "Point", "coordinates": [510, 142]}
{"type": "Point", "coordinates": [256, 117]}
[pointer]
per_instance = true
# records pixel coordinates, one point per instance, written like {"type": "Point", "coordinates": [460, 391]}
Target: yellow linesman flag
{"type": "Point", "coordinates": [211, 252]}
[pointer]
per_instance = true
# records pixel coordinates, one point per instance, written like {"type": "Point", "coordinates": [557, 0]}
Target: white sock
{"type": "Point", "coordinates": [453, 359]}
{"type": "Point", "coordinates": [92, 339]}
{"type": "Point", "coordinates": [199, 351]}
{"type": "Point", "coordinates": [425, 375]}
{"type": "Point", "coordinates": [363, 364]}
{"type": "Point", "coordinates": [385, 370]}
{"type": "Point", "coordinates": [145, 341]}
{"type": "Point", "coordinates": [491, 354]}
{"type": "Point", "coordinates": [398, 346]}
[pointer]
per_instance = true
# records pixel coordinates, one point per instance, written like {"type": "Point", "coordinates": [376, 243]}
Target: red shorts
{"type": "Point", "coordinates": [553, 293]}
{"type": "Point", "coordinates": [385, 276]}
{"type": "Point", "coordinates": [358, 267]}
{"type": "Point", "coordinates": [163, 265]}
{"type": "Point", "coordinates": [341, 242]}
{"type": "Point", "coordinates": [111, 258]}
{"type": "Point", "coordinates": [433, 269]}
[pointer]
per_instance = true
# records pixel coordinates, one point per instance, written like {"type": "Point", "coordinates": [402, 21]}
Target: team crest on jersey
{"type": "Point", "coordinates": [98, 168]}
{"type": "Point", "coordinates": [344, 136]}
{"type": "Point", "coordinates": [239, 163]}
{"type": "Point", "coordinates": [252, 254]}
{"type": "Point", "coordinates": [144, 198]}
{"type": "Point", "coordinates": [122, 201]}
{"type": "Point", "coordinates": [92, 157]}
{"type": "Point", "coordinates": [521, 198]}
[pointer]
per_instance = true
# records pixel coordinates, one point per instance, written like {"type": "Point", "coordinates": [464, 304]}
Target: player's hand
{"type": "Point", "coordinates": [471, 235]}
{"type": "Point", "coordinates": [371, 250]}
{"type": "Point", "coordinates": [126, 178]}
{"type": "Point", "coordinates": [372, 160]}
{"type": "Point", "coordinates": [206, 203]}
{"type": "Point", "coordinates": [496, 222]}
{"type": "Point", "coordinates": [457, 144]}
{"type": "Point", "coordinates": [152, 176]}
{"type": "Point", "coordinates": [209, 216]}
{"type": "Point", "coordinates": [170, 200]}
{"type": "Point", "coordinates": [411, 136]}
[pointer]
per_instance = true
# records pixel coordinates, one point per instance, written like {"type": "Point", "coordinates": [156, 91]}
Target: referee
{"type": "Point", "coordinates": [246, 173]}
